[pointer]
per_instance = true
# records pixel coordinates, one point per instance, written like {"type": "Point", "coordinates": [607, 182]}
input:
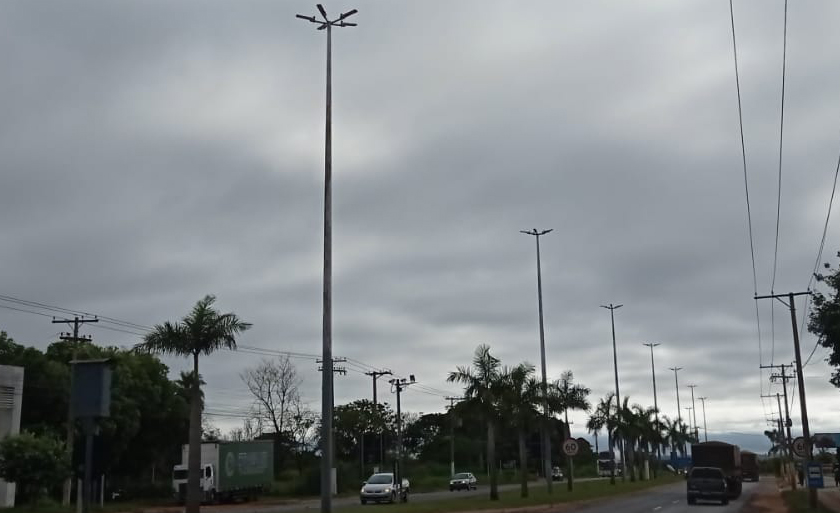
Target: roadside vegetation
{"type": "Point", "coordinates": [499, 420]}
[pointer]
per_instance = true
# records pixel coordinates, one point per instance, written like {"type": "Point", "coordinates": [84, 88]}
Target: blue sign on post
{"type": "Point", "coordinates": [815, 477]}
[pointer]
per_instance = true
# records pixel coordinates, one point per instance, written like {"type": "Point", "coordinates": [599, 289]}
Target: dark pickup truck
{"type": "Point", "coordinates": [707, 483]}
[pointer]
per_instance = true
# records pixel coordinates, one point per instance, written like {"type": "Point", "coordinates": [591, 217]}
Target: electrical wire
{"type": "Point", "coordinates": [747, 195]}
{"type": "Point", "coordinates": [779, 189]}
{"type": "Point", "coordinates": [819, 257]}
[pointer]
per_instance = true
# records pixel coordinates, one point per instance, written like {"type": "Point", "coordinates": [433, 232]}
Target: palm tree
{"type": "Point", "coordinates": [565, 395]}
{"type": "Point", "coordinates": [520, 394]}
{"type": "Point", "coordinates": [203, 331]}
{"type": "Point", "coordinates": [626, 430]}
{"type": "Point", "coordinates": [603, 417]}
{"type": "Point", "coordinates": [482, 386]}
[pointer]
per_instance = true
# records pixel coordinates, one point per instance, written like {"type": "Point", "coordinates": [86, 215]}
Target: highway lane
{"type": "Point", "coordinates": [338, 502]}
{"type": "Point", "coordinates": [667, 499]}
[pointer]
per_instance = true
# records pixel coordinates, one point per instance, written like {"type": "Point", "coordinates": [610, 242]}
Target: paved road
{"type": "Point", "coordinates": [354, 500]}
{"type": "Point", "coordinates": [668, 499]}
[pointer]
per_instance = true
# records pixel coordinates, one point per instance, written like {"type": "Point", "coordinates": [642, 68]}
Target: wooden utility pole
{"type": "Point", "coordinates": [452, 401]}
{"type": "Point", "coordinates": [376, 375]}
{"type": "Point", "coordinates": [806, 431]}
{"type": "Point", "coordinates": [74, 339]}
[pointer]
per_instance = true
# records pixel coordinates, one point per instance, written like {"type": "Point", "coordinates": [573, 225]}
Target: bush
{"type": "Point", "coordinates": [34, 463]}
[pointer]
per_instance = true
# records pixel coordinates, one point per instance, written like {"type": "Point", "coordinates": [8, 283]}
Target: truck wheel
{"type": "Point", "coordinates": [692, 500]}
{"type": "Point", "coordinates": [724, 502]}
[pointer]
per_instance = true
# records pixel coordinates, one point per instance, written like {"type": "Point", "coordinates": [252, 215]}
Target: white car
{"type": "Point", "coordinates": [463, 481]}
{"type": "Point", "coordinates": [382, 488]}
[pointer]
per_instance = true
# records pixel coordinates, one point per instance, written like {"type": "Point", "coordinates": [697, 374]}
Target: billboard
{"type": "Point", "coordinates": [827, 440]}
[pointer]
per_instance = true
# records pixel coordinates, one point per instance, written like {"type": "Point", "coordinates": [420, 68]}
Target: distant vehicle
{"type": "Point", "coordinates": [383, 488]}
{"type": "Point", "coordinates": [228, 470]}
{"type": "Point", "coordinates": [723, 456]}
{"type": "Point", "coordinates": [606, 463]}
{"type": "Point", "coordinates": [707, 483]}
{"type": "Point", "coordinates": [749, 466]}
{"type": "Point", "coordinates": [463, 481]}
{"type": "Point", "coordinates": [557, 474]}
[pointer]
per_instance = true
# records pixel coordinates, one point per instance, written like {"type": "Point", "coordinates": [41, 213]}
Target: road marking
{"type": "Point", "coordinates": [657, 508]}
{"type": "Point", "coordinates": [675, 502]}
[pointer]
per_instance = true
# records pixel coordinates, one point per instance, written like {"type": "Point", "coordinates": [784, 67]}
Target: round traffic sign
{"type": "Point", "coordinates": [570, 447]}
{"type": "Point", "coordinates": [799, 447]}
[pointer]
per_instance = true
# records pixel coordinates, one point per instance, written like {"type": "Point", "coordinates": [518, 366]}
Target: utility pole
{"type": "Point", "coordinates": [786, 453]}
{"type": "Point", "coordinates": [806, 431]}
{"type": "Point", "coordinates": [335, 370]}
{"type": "Point", "coordinates": [705, 432]}
{"type": "Point", "coordinates": [74, 339]}
{"type": "Point", "coordinates": [376, 375]}
{"type": "Point", "coordinates": [546, 424]}
{"type": "Point", "coordinates": [694, 412]}
{"type": "Point", "coordinates": [651, 345]}
{"type": "Point", "coordinates": [326, 338]}
{"type": "Point", "coordinates": [612, 308]}
{"type": "Point", "coordinates": [784, 378]}
{"type": "Point", "coordinates": [452, 401]}
{"type": "Point", "coordinates": [397, 386]}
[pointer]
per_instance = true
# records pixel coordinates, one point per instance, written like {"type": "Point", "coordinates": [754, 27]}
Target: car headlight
{"type": "Point", "coordinates": [387, 490]}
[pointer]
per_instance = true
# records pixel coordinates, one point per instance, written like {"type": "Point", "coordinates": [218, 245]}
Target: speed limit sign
{"type": "Point", "coordinates": [570, 447]}
{"type": "Point", "coordinates": [799, 447]}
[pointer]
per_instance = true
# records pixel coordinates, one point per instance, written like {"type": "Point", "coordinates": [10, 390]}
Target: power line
{"type": "Point", "coordinates": [819, 257]}
{"type": "Point", "coordinates": [779, 189]}
{"type": "Point", "coordinates": [747, 193]}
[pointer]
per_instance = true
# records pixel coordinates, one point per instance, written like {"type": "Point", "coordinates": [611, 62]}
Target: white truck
{"type": "Point", "coordinates": [228, 470]}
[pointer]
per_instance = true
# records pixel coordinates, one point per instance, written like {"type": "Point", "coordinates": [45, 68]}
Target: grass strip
{"type": "Point", "coordinates": [797, 502]}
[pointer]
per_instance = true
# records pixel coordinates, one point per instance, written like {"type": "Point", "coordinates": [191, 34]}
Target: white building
{"type": "Point", "coordinates": [11, 400]}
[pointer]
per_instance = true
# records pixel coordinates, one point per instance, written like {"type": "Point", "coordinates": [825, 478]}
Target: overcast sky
{"type": "Point", "coordinates": [155, 152]}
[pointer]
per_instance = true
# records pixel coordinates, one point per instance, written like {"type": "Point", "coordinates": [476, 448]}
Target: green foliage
{"type": "Point", "coordinates": [824, 321]}
{"type": "Point", "coordinates": [34, 463]}
{"type": "Point", "coordinates": [149, 413]}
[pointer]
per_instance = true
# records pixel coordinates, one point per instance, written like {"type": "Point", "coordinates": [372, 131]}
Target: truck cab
{"type": "Point", "coordinates": [207, 482]}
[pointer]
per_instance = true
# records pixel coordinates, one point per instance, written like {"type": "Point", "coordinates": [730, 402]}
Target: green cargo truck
{"type": "Point", "coordinates": [726, 457]}
{"type": "Point", "coordinates": [228, 470]}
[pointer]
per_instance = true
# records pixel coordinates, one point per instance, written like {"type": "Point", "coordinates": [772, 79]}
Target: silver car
{"type": "Point", "coordinates": [463, 481]}
{"type": "Point", "coordinates": [382, 488]}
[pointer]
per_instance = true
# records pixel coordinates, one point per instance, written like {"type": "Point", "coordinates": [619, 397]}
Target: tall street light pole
{"type": "Point", "coordinates": [677, 386]}
{"type": "Point", "coordinates": [705, 432]}
{"type": "Point", "coordinates": [694, 412]}
{"type": "Point", "coordinates": [651, 345]}
{"type": "Point", "coordinates": [612, 308]}
{"type": "Point", "coordinates": [546, 423]}
{"type": "Point", "coordinates": [327, 376]}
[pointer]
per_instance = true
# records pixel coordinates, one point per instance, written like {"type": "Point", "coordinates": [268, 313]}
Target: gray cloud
{"type": "Point", "coordinates": [156, 152]}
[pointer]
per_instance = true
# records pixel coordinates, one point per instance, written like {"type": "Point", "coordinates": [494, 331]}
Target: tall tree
{"type": "Point", "coordinates": [275, 385]}
{"type": "Point", "coordinates": [520, 395]}
{"type": "Point", "coordinates": [482, 385]}
{"type": "Point", "coordinates": [203, 331]}
{"type": "Point", "coordinates": [565, 395]}
{"type": "Point", "coordinates": [825, 319]}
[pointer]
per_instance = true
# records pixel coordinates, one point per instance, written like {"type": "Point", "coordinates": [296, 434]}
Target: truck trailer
{"type": "Point", "coordinates": [726, 457]}
{"type": "Point", "coordinates": [749, 466]}
{"type": "Point", "coordinates": [228, 470]}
